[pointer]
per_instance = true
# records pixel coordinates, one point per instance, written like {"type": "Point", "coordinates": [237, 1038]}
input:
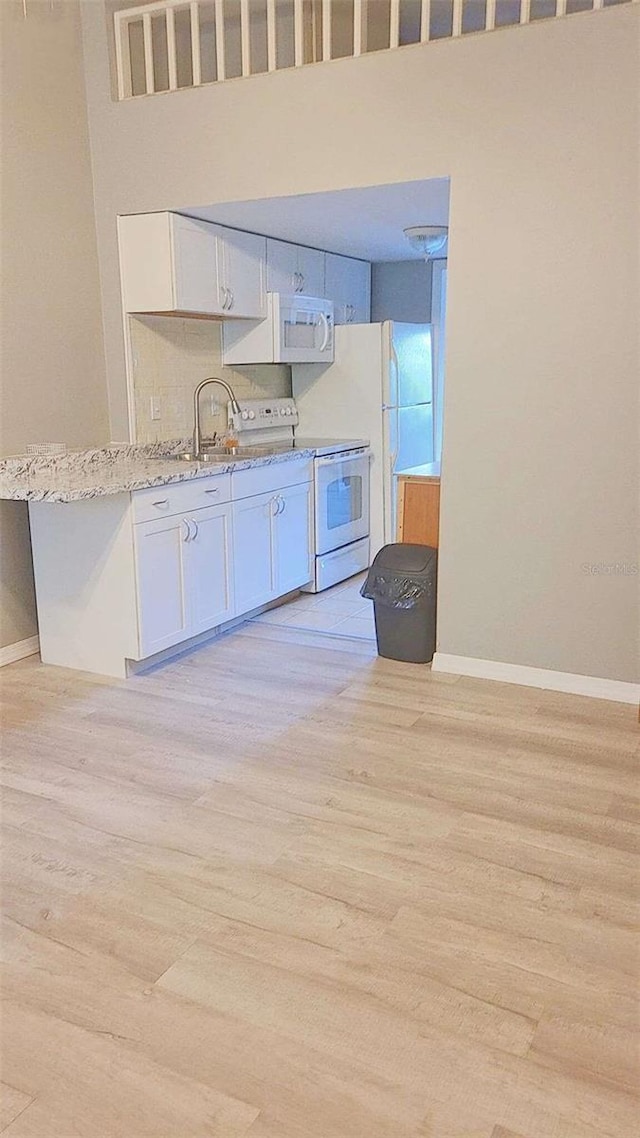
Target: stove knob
{"type": "Point", "coordinates": [244, 414]}
{"type": "Point", "coordinates": [252, 414]}
{"type": "Point", "coordinates": [288, 411]}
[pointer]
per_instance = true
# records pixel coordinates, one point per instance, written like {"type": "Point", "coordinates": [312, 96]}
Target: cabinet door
{"type": "Point", "coordinates": [160, 571]}
{"type": "Point", "coordinates": [310, 271]}
{"type": "Point", "coordinates": [197, 265]}
{"type": "Point", "coordinates": [348, 285]}
{"type": "Point", "coordinates": [282, 267]}
{"type": "Point", "coordinates": [292, 539]}
{"type": "Point", "coordinates": [359, 291]}
{"type": "Point", "coordinates": [209, 584]}
{"type": "Point", "coordinates": [252, 551]}
{"type": "Point", "coordinates": [245, 257]}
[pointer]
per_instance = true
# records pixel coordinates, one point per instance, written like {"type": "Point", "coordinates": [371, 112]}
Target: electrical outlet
{"type": "Point", "coordinates": [154, 408]}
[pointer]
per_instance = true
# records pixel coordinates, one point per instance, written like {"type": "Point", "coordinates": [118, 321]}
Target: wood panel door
{"type": "Point", "coordinates": [419, 512]}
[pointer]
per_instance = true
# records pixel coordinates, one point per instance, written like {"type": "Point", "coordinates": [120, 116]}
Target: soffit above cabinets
{"type": "Point", "coordinates": [366, 222]}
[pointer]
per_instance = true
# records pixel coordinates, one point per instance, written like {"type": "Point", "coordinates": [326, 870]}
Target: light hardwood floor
{"type": "Point", "coordinates": [283, 889]}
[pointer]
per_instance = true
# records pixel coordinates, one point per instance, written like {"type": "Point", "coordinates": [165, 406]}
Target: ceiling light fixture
{"type": "Point", "coordinates": [428, 240]}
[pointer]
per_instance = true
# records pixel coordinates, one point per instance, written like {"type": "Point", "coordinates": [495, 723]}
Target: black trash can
{"type": "Point", "coordinates": [402, 585]}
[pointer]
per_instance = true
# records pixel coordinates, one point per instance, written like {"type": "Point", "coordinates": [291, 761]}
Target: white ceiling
{"type": "Point", "coordinates": [365, 223]}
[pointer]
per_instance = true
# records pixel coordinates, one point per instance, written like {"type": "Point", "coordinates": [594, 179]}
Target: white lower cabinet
{"type": "Point", "coordinates": [252, 551]}
{"type": "Point", "coordinates": [209, 579]}
{"type": "Point", "coordinates": [160, 577]}
{"type": "Point", "coordinates": [184, 580]}
{"type": "Point", "coordinates": [200, 568]}
{"type": "Point", "coordinates": [271, 545]}
{"type": "Point", "coordinates": [292, 563]}
{"type": "Point", "coordinates": [122, 577]}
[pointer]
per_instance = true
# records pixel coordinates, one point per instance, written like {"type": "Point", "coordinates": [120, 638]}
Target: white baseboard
{"type": "Point", "coordinates": [19, 650]}
{"type": "Point", "coordinates": [618, 690]}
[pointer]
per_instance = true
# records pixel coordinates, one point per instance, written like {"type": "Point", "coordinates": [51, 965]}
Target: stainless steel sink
{"type": "Point", "coordinates": [219, 454]}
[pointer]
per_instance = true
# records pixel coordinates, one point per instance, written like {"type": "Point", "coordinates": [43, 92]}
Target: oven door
{"type": "Point", "coordinates": [342, 499]}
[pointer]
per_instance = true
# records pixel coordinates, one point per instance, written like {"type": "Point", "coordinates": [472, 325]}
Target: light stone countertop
{"type": "Point", "coordinates": [120, 469]}
{"type": "Point", "coordinates": [429, 470]}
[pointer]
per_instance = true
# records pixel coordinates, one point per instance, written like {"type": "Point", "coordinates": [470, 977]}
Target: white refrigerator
{"type": "Point", "coordinates": [380, 387]}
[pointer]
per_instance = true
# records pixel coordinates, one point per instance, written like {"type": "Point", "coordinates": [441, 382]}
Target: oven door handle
{"type": "Point", "coordinates": [335, 459]}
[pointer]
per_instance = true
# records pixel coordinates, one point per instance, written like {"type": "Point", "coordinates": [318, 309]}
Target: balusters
{"type": "Point", "coordinates": [134, 39]}
{"type": "Point", "coordinates": [298, 33]}
{"type": "Point", "coordinates": [271, 35]}
{"type": "Point", "coordinates": [221, 72]}
{"type": "Point", "coordinates": [196, 72]}
{"type": "Point", "coordinates": [245, 36]}
{"type": "Point", "coordinates": [394, 23]}
{"type": "Point", "coordinates": [170, 16]}
{"type": "Point", "coordinates": [148, 54]}
{"type": "Point", "coordinates": [425, 21]}
{"type": "Point", "coordinates": [123, 58]}
{"type": "Point", "coordinates": [326, 29]}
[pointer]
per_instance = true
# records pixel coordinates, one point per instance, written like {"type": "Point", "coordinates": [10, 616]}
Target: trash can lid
{"type": "Point", "coordinates": [403, 557]}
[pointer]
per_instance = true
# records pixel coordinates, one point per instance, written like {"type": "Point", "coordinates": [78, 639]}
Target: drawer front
{"type": "Point", "coordinates": [266, 479]}
{"type": "Point", "coordinates": [180, 497]}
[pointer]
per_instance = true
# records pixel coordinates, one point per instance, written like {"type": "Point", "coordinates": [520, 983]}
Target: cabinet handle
{"type": "Point", "coordinates": [195, 525]}
{"type": "Point", "coordinates": [301, 282]}
{"type": "Point", "coordinates": [213, 491]}
{"type": "Point", "coordinates": [231, 298]}
{"type": "Point", "coordinates": [275, 507]}
{"type": "Point", "coordinates": [283, 504]}
{"type": "Point", "coordinates": [187, 526]}
{"type": "Point", "coordinates": [161, 502]}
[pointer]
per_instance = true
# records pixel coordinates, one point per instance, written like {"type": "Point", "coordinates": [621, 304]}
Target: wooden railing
{"type": "Point", "coordinates": [173, 44]}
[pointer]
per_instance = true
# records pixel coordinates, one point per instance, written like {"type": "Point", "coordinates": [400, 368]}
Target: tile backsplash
{"type": "Point", "coordinates": [170, 356]}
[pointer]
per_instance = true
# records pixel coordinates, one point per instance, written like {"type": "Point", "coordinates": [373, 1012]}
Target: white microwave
{"type": "Point", "coordinates": [297, 330]}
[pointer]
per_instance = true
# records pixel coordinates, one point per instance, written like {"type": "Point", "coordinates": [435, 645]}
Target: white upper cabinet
{"type": "Point", "coordinates": [294, 268]}
{"type": "Point", "coordinates": [175, 264]}
{"type": "Point", "coordinates": [171, 263]}
{"type": "Point", "coordinates": [243, 272]}
{"type": "Point", "coordinates": [282, 266]}
{"type": "Point", "coordinates": [197, 262]}
{"type": "Point", "coordinates": [348, 285]}
{"type": "Point", "coordinates": [311, 271]}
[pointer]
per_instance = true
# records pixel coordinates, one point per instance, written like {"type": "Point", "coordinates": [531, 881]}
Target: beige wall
{"type": "Point", "coordinates": [53, 385]}
{"type": "Point", "coordinates": [538, 129]}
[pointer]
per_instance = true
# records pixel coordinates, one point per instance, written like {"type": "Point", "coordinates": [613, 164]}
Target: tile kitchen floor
{"type": "Point", "coordinates": [339, 611]}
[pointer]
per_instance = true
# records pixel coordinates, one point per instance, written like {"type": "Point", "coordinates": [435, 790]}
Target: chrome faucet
{"type": "Point", "coordinates": [197, 434]}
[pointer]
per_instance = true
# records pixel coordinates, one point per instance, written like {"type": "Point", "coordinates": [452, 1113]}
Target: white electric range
{"type": "Point", "coordinates": [341, 486]}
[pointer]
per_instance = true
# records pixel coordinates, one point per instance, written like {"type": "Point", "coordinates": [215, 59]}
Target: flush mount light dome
{"type": "Point", "coordinates": [429, 240]}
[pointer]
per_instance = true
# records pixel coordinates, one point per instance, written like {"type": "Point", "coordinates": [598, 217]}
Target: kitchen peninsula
{"type": "Point", "coordinates": [137, 552]}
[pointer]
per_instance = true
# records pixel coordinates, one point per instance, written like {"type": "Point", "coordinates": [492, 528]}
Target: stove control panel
{"type": "Point", "coordinates": [264, 414]}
